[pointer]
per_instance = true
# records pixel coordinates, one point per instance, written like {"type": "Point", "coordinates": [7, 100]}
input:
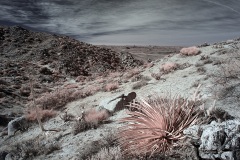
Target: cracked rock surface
{"type": "Point", "coordinates": [217, 140]}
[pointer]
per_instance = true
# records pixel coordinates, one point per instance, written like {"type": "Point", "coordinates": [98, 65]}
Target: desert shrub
{"type": "Point", "coordinates": [70, 86]}
{"type": "Point", "coordinates": [183, 66]}
{"type": "Point", "coordinates": [156, 125]}
{"type": "Point", "coordinates": [108, 153]}
{"type": "Point", "coordinates": [67, 117]}
{"type": "Point", "coordinates": [190, 51]}
{"type": "Point", "coordinates": [60, 97]}
{"type": "Point", "coordinates": [139, 84]}
{"type": "Point", "coordinates": [216, 114]}
{"type": "Point", "coordinates": [55, 99]}
{"type": "Point", "coordinates": [199, 64]}
{"type": "Point", "coordinates": [25, 91]}
{"type": "Point", "coordinates": [90, 90]}
{"type": "Point", "coordinates": [136, 78]}
{"type": "Point", "coordinates": [111, 86]}
{"type": "Point", "coordinates": [110, 138]}
{"type": "Point", "coordinates": [77, 94]}
{"type": "Point", "coordinates": [115, 74]}
{"type": "Point", "coordinates": [156, 76]}
{"type": "Point", "coordinates": [203, 57]}
{"type": "Point", "coordinates": [81, 126]}
{"type": "Point", "coordinates": [85, 92]}
{"type": "Point", "coordinates": [195, 84]}
{"type": "Point", "coordinates": [140, 77]}
{"type": "Point", "coordinates": [91, 118]}
{"type": "Point", "coordinates": [93, 148]}
{"type": "Point", "coordinates": [225, 81]}
{"type": "Point", "coordinates": [94, 116]}
{"type": "Point", "coordinates": [207, 61]}
{"type": "Point", "coordinates": [31, 114]}
{"type": "Point", "coordinates": [217, 62]}
{"type": "Point", "coordinates": [32, 148]}
{"type": "Point", "coordinates": [148, 65]}
{"type": "Point", "coordinates": [81, 78]}
{"type": "Point", "coordinates": [101, 80]}
{"type": "Point", "coordinates": [201, 70]}
{"type": "Point", "coordinates": [132, 72]}
{"type": "Point", "coordinates": [168, 67]}
{"type": "Point", "coordinates": [145, 78]}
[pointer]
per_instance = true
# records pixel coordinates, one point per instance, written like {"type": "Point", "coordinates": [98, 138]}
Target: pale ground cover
{"type": "Point", "coordinates": [182, 81]}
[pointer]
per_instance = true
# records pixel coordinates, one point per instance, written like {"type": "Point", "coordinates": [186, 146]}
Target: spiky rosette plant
{"type": "Point", "coordinates": [155, 125]}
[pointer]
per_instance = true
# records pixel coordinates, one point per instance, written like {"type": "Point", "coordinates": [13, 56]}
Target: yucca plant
{"type": "Point", "coordinates": [155, 125]}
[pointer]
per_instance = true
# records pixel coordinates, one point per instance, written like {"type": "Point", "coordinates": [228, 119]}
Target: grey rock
{"type": "Point", "coordinates": [17, 124]}
{"type": "Point", "coordinates": [217, 140]}
{"type": "Point", "coordinates": [227, 156]}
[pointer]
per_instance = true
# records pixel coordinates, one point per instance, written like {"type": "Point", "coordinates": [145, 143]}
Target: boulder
{"type": "Point", "coordinates": [217, 140]}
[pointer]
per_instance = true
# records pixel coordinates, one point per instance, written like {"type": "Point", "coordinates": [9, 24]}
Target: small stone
{"type": "Point", "coordinates": [227, 156]}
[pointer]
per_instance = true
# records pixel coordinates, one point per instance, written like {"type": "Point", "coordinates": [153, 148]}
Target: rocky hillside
{"type": "Point", "coordinates": [182, 106]}
{"type": "Point", "coordinates": [47, 59]}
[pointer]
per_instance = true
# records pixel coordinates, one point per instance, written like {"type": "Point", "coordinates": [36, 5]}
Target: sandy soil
{"type": "Point", "coordinates": [146, 53]}
{"type": "Point", "coordinates": [216, 68]}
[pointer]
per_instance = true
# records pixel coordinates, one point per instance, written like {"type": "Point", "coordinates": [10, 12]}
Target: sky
{"type": "Point", "coordinates": [128, 22]}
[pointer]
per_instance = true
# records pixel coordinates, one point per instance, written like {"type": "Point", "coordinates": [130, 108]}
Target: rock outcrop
{"type": "Point", "coordinates": [217, 140]}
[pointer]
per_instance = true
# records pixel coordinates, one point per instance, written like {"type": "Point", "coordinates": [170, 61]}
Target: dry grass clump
{"type": "Point", "coordinates": [108, 153]}
{"type": "Point", "coordinates": [136, 78]}
{"type": "Point", "coordinates": [111, 86]}
{"type": "Point", "coordinates": [190, 51]}
{"type": "Point", "coordinates": [90, 90]}
{"type": "Point", "coordinates": [115, 74]}
{"type": "Point", "coordinates": [43, 114]}
{"type": "Point", "coordinates": [101, 80]}
{"type": "Point", "coordinates": [132, 73]}
{"type": "Point", "coordinates": [183, 66]}
{"type": "Point", "coordinates": [139, 84]}
{"type": "Point", "coordinates": [81, 126]}
{"type": "Point", "coordinates": [67, 117]}
{"type": "Point", "coordinates": [140, 77]}
{"type": "Point", "coordinates": [92, 118]}
{"type": "Point", "coordinates": [70, 86]}
{"type": "Point", "coordinates": [156, 125]}
{"type": "Point", "coordinates": [32, 148]}
{"type": "Point", "coordinates": [199, 64]}
{"type": "Point", "coordinates": [85, 92]}
{"type": "Point", "coordinates": [156, 76]}
{"type": "Point", "coordinates": [55, 99]}
{"type": "Point", "coordinates": [81, 78]}
{"type": "Point", "coordinates": [103, 149]}
{"type": "Point", "coordinates": [216, 114]}
{"type": "Point", "coordinates": [201, 70]}
{"type": "Point", "coordinates": [25, 91]}
{"type": "Point", "coordinates": [60, 97]}
{"type": "Point", "coordinates": [226, 79]}
{"type": "Point", "coordinates": [148, 65]}
{"type": "Point", "coordinates": [168, 67]}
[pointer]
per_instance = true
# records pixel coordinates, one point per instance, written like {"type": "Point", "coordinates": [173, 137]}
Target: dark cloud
{"type": "Point", "coordinates": [100, 20]}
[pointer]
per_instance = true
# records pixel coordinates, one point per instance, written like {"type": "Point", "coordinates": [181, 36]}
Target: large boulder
{"type": "Point", "coordinates": [217, 140]}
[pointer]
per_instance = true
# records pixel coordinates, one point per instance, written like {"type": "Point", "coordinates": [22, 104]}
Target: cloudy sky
{"type": "Point", "coordinates": [140, 22]}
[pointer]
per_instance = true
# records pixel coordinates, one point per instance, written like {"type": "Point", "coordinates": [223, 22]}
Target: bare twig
{"type": "Point", "coordinates": [37, 109]}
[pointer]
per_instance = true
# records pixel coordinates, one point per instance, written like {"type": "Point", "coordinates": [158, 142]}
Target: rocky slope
{"type": "Point", "coordinates": [49, 59]}
{"type": "Point", "coordinates": [215, 67]}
